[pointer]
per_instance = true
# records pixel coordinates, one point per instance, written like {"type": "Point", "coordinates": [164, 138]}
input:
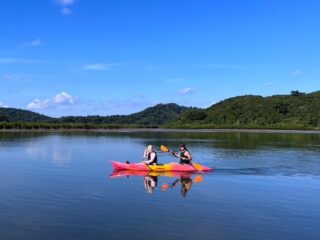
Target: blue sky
{"type": "Point", "coordinates": [80, 57]}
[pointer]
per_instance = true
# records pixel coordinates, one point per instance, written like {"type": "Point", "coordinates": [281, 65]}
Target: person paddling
{"type": "Point", "coordinates": [184, 155]}
{"type": "Point", "coordinates": [150, 156]}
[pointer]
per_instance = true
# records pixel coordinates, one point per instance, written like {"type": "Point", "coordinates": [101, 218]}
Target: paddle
{"type": "Point", "coordinates": [146, 165]}
{"type": "Point", "coordinates": [198, 179]}
{"type": "Point", "coordinates": [166, 149]}
{"type": "Point", "coordinates": [164, 187]}
{"type": "Point", "coordinates": [197, 166]}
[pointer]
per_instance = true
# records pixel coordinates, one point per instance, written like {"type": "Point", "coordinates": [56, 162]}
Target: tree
{"type": "Point", "coordinates": [296, 93]}
{"type": "Point", "coordinates": [3, 118]}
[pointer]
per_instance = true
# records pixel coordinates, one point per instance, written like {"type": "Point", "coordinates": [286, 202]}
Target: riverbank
{"type": "Point", "coordinates": [133, 130]}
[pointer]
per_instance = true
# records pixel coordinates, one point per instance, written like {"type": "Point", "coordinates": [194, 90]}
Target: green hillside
{"type": "Point", "coordinates": [294, 111]}
{"type": "Point", "coordinates": [19, 115]}
{"type": "Point", "coordinates": [157, 115]}
{"type": "Point", "coordinates": [153, 116]}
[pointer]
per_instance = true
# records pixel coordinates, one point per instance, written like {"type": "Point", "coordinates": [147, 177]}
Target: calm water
{"type": "Point", "coordinates": [61, 186]}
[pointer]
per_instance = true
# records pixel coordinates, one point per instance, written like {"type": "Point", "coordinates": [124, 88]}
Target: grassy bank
{"type": "Point", "coordinates": [278, 126]}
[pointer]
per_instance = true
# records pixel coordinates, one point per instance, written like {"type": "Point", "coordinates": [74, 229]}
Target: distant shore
{"type": "Point", "coordinates": [163, 130]}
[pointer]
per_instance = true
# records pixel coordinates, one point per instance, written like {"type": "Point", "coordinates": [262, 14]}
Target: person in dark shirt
{"type": "Point", "coordinates": [184, 155]}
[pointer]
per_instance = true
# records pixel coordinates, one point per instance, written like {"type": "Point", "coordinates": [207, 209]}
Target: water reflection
{"type": "Point", "coordinates": [183, 181]}
{"type": "Point", "coordinates": [59, 154]}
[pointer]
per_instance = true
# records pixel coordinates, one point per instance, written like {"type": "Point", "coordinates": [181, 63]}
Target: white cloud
{"type": "Point", "coordinates": [22, 77]}
{"type": "Point", "coordinates": [8, 77]}
{"type": "Point", "coordinates": [176, 80]}
{"type": "Point", "coordinates": [8, 60]}
{"type": "Point", "coordinates": [98, 67]}
{"type": "Point", "coordinates": [35, 43]}
{"type": "Point", "coordinates": [210, 104]}
{"type": "Point", "coordinates": [269, 83]}
{"type": "Point", "coordinates": [3, 105]}
{"type": "Point", "coordinates": [38, 104]}
{"type": "Point", "coordinates": [150, 67]}
{"type": "Point", "coordinates": [65, 2]}
{"type": "Point", "coordinates": [297, 73]}
{"type": "Point", "coordinates": [63, 98]}
{"type": "Point", "coordinates": [219, 66]}
{"type": "Point", "coordinates": [15, 77]}
{"type": "Point", "coordinates": [186, 91]}
{"type": "Point", "coordinates": [66, 11]}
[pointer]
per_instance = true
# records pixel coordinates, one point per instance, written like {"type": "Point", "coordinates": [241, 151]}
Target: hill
{"type": "Point", "coordinates": [295, 111]}
{"type": "Point", "coordinates": [19, 115]}
{"type": "Point", "coordinates": [157, 115]}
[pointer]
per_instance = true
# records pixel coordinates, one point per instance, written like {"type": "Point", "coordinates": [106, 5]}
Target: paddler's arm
{"type": "Point", "coordinates": [174, 154]}
{"type": "Point", "coordinates": [145, 155]}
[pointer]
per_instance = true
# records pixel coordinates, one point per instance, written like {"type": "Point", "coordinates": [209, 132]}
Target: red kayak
{"type": "Point", "coordinates": [170, 167]}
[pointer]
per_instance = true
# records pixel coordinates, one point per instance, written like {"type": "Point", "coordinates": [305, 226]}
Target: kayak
{"type": "Point", "coordinates": [174, 167]}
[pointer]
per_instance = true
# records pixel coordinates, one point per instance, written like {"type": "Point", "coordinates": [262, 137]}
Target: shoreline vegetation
{"type": "Point", "coordinates": [296, 111]}
{"type": "Point", "coordinates": [91, 126]}
{"type": "Point", "coordinates": [160, 130]}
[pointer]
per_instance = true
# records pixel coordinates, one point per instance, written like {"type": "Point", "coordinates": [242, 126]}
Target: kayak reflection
{"type": "Point", "coordinates": [150, 179]}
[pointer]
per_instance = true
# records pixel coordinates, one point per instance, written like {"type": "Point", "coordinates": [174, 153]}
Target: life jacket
{"type": "Point", "coordinates": [155, 160]}
{"type": "Point", "coordinates": [182, 155]}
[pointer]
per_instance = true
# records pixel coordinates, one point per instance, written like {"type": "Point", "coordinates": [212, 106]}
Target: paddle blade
{"type": "Point", "coordinates": [198, 179]}
{"type": "Point", "coordinates": [164, 187]}
{"type": "Point", "coordinates": [164, 148]}
{"type": "Point", "coordinates": [198, 166]}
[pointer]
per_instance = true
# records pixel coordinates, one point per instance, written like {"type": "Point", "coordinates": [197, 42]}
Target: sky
{"type": "Point", "coordinates": [81, 57]}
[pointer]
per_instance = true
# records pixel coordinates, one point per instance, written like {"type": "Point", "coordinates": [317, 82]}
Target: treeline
{"type": "Point", "coordinates": [295, 111]}
{"type": "Point", "coordinates": [34, 126]}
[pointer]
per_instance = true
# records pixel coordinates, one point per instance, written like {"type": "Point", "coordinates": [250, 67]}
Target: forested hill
{"type": "Point", "coordinates": [157, 115]}
{"type": "Point", "coordinates": [295, 111]}
{"type": "Point", "coordinates": [19, 115]}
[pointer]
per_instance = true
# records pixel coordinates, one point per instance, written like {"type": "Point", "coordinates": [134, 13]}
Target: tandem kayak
{"type": "Point", "coordinates": [174, 167]}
